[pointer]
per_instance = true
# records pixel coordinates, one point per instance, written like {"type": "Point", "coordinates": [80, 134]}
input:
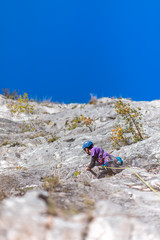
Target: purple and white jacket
{"type": "Point", "coordinates": [99, 157]}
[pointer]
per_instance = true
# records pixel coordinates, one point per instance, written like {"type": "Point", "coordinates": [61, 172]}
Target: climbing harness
{"type": "Point", "coordinates": [115, 158]}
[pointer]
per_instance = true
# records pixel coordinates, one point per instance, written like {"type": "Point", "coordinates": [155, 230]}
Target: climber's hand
{"type": "Point", "coordinates": [87, 168]}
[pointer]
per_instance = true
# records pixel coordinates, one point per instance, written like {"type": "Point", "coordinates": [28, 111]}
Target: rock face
{"type": "Point", "coordinates": [108, 221]}
{"type": "Point", "coordinates": [45, 191]}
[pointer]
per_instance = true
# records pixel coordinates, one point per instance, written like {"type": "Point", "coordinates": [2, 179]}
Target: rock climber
{"type": "Point", "coordinates": [99, 157]}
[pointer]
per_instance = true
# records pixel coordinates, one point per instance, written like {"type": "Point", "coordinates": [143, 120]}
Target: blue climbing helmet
{"type": "Point", "coordinates": [87, 144]}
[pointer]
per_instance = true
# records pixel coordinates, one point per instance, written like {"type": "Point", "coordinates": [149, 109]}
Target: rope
{"type": "Point", "coordinates": [137, 176]}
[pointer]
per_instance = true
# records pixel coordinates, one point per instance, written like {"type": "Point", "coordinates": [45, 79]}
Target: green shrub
{"type": "Point", "coordinates": [132, 124]}
{"type": "Point", "coordinates": [118, 137]}
{"type": "Point", "coordinates": [22, 105]}
{"type": "Point", "coordinates": [50, 183]}
{"type": "Point", "coordinates": [4, 143]}
{"type": "Point", "coordinates": [74, 106]}
{"type": "Point", "coordinates": [52, 138]}
{"type": "Point", "coordinates": [77, 173]}
{"type": "Point", "coordinates": [27, 127]}
{"type": "Point", "coordinates": [80, 122]}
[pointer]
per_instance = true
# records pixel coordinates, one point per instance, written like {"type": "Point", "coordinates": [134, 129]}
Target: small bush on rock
{"type": "Point", "coordinates": [117, 137]}
{"type": "Point", "coordinates": [50, 183]}
{"type": "Point", "coordinates": [4, 143]}
{"type": "Point", "coordinates": [93, 99]}
{"type": "Point", "coordinates": [77, 173]}
{"type": "Point", "coordinates": [80, 122]}
{"type": "Point", "coordinates": [22, 105]}
{"type": "Point", "coordinates": [51, 138]}
{"type": "Point", "coordinates": [27, 127]}
{"type": "Point", "coordinates": [10, 95]}
{"type": "Point", "coordinates": [132, 125]}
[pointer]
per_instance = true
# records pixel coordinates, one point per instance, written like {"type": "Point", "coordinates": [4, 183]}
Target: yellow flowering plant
{"type": "Point", "coordinates": [22, 105]}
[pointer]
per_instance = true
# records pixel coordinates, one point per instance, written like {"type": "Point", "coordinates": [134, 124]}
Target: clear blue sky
{"type": "Point", "coordinates": [67, 49]}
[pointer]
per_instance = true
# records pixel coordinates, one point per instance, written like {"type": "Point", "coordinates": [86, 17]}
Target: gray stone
{"type": "Point", "coordinates": [121, 206]}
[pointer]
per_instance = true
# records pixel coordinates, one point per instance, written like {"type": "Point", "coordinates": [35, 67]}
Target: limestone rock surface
{"type": "Point", "coordinates": [45, 192]}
